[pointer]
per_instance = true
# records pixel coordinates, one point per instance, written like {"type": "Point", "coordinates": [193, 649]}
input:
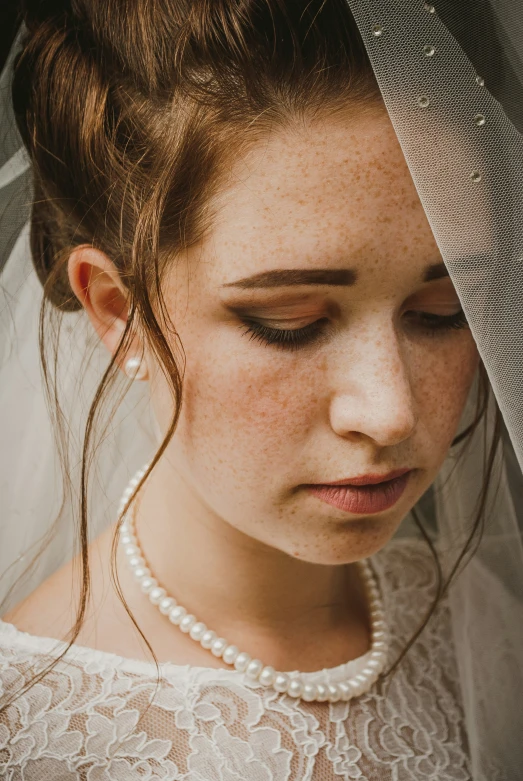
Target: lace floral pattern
{"type": "Point", "coordinates": [97, 717]}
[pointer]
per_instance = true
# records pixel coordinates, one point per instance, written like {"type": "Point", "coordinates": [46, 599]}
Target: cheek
{"type": "Point", "coordinates": [259, 407]}
{"type": "Point", "coordinates": [442, 387]}
{"type": "Point", "coordinates": [247, 412]}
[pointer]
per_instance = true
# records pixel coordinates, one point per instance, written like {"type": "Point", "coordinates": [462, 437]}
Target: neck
{"type": "Point", "coordinates": [242, 588]}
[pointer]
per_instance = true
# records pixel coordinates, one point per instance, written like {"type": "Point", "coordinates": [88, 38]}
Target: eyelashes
{"type": "Point", "coordinates": [434, 323]}
{"type": "Point", "coordinates": [293, 339]}
{"type": "Point", "coordinates": [290, 339]}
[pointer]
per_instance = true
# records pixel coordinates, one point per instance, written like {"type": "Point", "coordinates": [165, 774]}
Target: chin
{"type": "Point", "coordinates": [355, 539]}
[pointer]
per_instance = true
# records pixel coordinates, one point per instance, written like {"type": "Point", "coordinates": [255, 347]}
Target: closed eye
{"type": "Point", "coordinates": [437, 323]}
{"type": "Point", "coordinates": [285, 338]}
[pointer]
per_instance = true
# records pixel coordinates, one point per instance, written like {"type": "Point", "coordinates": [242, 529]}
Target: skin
{"type": "Point", "coordinates": [225, 521]}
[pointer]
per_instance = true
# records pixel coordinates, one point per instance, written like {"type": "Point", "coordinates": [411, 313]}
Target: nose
{"type": "Point", "coordinates": [373, 394]}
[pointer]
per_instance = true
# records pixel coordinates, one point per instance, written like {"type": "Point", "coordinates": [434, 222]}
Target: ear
{"type": "Point", "coordinates": [97, 284]}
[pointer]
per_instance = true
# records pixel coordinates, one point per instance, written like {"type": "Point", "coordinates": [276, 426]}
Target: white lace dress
{"type": "Point", "coordinates": [88, 718]}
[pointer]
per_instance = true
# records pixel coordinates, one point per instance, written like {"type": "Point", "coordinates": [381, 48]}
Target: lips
{"type": "Point", "coordinates": [364, 495]}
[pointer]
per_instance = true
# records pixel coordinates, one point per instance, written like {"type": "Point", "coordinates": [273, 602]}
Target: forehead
{"type": "Point", "coordinates": [321, 192]}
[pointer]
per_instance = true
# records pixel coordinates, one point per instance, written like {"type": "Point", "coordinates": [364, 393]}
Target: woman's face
{"type": "Point", "coordinates": [323, 341]}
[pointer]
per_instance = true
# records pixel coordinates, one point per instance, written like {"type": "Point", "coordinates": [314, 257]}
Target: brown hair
{"type": "Point", "coordinates": [130, 113]}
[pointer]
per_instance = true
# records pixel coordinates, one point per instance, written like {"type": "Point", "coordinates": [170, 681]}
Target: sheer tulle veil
{"type": "Point", "coordinates": [451, 75]}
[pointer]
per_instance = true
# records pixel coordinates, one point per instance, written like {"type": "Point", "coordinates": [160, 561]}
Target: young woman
{"type": "Point", "coordinates": [221, 190]}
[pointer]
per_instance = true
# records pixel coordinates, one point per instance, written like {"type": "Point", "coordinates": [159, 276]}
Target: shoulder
{"type": "Point", "coordinates": [51, 609]}
{"type": "Point", "coordinates": [49, 613]}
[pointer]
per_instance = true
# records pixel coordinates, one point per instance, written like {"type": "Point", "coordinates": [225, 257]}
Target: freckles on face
{"type": "Point", "coordinates": [442, 386]}
{"type": "Point", "coordinates": [374, 388]}
{"type": "Point", "coordinates": [258, 410]}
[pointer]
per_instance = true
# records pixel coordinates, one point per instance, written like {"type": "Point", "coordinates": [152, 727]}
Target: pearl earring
{"type": "Point", "coordinates": [136, 369]}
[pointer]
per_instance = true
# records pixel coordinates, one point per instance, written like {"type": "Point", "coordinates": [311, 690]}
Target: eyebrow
{"type": "Point", "coordinates": [288, 277]}
{"type": "Point", "coordinates": [339, 277]}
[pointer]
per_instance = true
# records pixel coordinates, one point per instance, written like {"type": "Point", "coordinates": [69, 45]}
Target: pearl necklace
{"type": "Point", "coordinates": [293, 684]}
